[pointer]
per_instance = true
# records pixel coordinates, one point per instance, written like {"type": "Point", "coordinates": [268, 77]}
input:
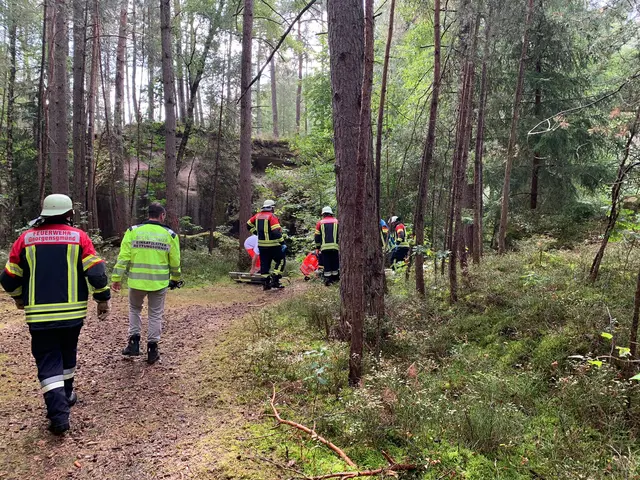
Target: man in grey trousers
{"type": "Point", "coordinates": [150, 253]}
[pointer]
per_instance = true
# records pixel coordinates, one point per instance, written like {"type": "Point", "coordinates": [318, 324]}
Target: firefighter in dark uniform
{"type": "Point", "coordinates": [45, 275]}
{"type": "Point", "coordinates": [326, 238]}
{"type": "Point", "coordinates": [401, 241]}
{"type": "Point", "coordinates": [267, 227]}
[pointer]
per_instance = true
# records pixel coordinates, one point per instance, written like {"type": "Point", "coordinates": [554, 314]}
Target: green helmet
{"type": "Point", "coordinates": [56, 204]}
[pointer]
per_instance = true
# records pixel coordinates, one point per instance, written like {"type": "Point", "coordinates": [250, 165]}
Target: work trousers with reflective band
{"type": "Point", "coordinates": [269, 255]}
{"type": "Point", "coordinates": [55, 353]}
{"type": "Point", "coordinates": [331, 263]}
{"type": "Point", "coordinates": [155, 304]}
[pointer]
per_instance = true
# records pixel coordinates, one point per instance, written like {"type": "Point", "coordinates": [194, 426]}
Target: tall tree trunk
{"type": "Point", "coordinates": [477, 170]}
{"type": "Point", "coordinates": [346, 44]}
{"type": "Point", "coordinates": [134, 63]}
{"type": "Point", "coordinates": [151, 62]}
{"type": "Point", "coordinates": [168, 83]}
{"type": "Point", "coordinates": [535, 161]}
{"type": "Point", "coordinates": [299, 85]}
{"type": "Point", "coordinates": [383, 95]}
{"type": "Point", "coordinates": [245, 124]}
{"type": "Point", "coordinates": [59, 150]}
{"type": "Point", "coordinates": [258, 107]}
{"type": "Point", "coordinates": [274, 98]}
{"type": "Point", "coordinates": [427, 153]}
{"type": "Point", "coordinates": [79, 119]}
{"type": "Point", "coordinates": [92, 203]}
{"type": "Point", "coordinates": [362, 159]}
{"type": "Point", "coordinates": [513, 135]}
{"type": "Point", "coordinates": [623, 170]}
{"type": "Point", "coordinates": [8, 214]}
{"type": "Point", "coordinates": [42, 127]}
{"type": "Point", "coordinates": [179, 62]}
{"type": "Point", "coordinates": [117, 141]}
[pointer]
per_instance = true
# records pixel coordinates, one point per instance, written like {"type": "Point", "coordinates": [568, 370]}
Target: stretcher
{"type": "Point", "coordinates": [245, 277]}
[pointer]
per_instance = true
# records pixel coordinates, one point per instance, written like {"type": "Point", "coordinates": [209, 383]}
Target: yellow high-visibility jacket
{"type": "Point", "coordinates": [150, 253]}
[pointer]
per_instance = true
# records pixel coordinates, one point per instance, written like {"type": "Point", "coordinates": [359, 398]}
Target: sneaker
{"type": "Point", "coordinates": [73, 399]}
{"type": "Point", "coordinates": [59, 429]}
{"type": "Point", "coordinates": [152, 353]}
{"type": "Point", "coordinates": [133, 349]}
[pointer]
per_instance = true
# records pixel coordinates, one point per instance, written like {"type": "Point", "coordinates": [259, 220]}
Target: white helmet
{"type": "Point", "coordinates": [56, 204]}
{"type": "Point", "coordinates": [327, 210]}
{"type": "Point", "coordinates": [268, 204]}
{"type": "Point", "coordinates": [394, 219]}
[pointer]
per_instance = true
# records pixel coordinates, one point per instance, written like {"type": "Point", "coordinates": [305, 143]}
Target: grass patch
{"type": "Point", "coordinates": [498, 386]}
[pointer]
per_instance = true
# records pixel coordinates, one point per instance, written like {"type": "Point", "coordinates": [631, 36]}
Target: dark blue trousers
{"type": "Point", "coordinates": [54, 351]}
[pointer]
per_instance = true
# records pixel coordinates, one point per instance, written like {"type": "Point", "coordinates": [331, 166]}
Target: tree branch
{"type": "Point", "coordinates": [280, 42]}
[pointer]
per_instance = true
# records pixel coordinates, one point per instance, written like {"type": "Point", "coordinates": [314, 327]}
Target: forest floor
{"type": "Point", "coordinates": [180, 418]}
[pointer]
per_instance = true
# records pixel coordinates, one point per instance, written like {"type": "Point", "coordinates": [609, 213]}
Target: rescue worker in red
{"type": "Point", "coordinates": [47, 273]}
{"type": "Point", "coordinates": [401, 241]}
{"type": "Point", "coordinates": [326, 238]}
{"type": "Point", "coordinates": [267, 227]}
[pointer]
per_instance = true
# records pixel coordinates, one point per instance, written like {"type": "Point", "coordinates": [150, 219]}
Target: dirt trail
{"type": "Point", "coordinates": [133, 421]}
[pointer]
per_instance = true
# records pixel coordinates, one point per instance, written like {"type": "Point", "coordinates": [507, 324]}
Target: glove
{"type": "Point", "coordinates": [173, 284]}
{"type": "Point", "coordinates": [103, 310]}
{"type": "Point", "coordinates": [284, 248]}
{"type": "Point", "coordinates": [19, 303]}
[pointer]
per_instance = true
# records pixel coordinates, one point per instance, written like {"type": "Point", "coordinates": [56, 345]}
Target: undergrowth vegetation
{"type": "Point", "coordinates": [515, 381]}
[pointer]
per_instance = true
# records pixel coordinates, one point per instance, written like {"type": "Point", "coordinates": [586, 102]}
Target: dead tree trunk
{"type": "Point", "coordinates": [274, 98]}
{"type": "Point", "coordinates": [79, 119]}
{"type": "Point", "coordinates": [383, 95]}
{"type": "Point", "coordinates": [477, 170]}
{"type": "Point", "coordinates": [427, 154]}
{"type": "Point", "coordinates": [346, 44]}
{"type": "Point", "coordinates": [168, 83]}
{"type": "Point", "coordinates": [92, 203]}
{"type": "Point", "coordinates": [633, 333]}
{"type": "Point", "coordinates": [245, 124]}
{"type": "Point", "coordinates": [120, 210]}
{"type": "Point", "coordinates": [513, 134]}
{"type": "Point", "coordinates": [179, 62]}
{"type": "Point", "coordinates": [535, 161]}
{"type": "Point", "coordinates": [59, 146]}
{"type": "Point", "coordinates": [42, 125]}
{"type": "Point", "coordinates": [299, 86]}
{"type": "Point", "coordinates": [623, 170]}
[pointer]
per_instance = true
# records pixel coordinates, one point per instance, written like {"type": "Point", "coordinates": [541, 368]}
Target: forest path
{"type": "Point", "coordinates": [132, 421]}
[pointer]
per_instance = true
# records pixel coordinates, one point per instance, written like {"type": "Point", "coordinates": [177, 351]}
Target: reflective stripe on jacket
{"type": "Point", "coordinates": [150, 254]}
{"type": "Point", "coordinates": [326, 234]}
{"type": "Point", "coordinates": [48, 268]}
{"type": "Point", "coordinates": [401, 236]}
{"type": "Point", "coordinates": [267, 227]}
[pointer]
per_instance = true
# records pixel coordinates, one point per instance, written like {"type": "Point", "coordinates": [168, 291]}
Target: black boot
{"type": "Point", "coordinates": [266, 283]}
{"type": "Point", "coordinates": [276, 282]}
{"type": "Point", "coordinates": [133, 349]}
{"type": "Point", "coordinates": [73, 399]}
{"type": "Point", "coordinates": [59, 429]}
{"type": "Point", "coordinates": [152, 353]}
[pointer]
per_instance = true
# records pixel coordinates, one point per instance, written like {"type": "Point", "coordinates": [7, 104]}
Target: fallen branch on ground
{"type": "Point", "coordinates": [393, 465]}
{"type": "Point", "coordinates": [313, 434]}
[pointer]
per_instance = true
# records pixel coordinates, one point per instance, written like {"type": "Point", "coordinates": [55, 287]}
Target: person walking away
{"type": "Point", "coordinates": [251, 246]}
{"type": "Point", "coordinates": [384, 234]}
{"type": "Point", "coordinates": [326, 238]}
{"type": "Point", "coordinates": [150, 253]}
{"type": "Point", "coordinates": [401, 249]}
{"type": "Point", "coordinates": [267, 227]}
{"type": "Point", "coordinates": [45, 275]}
